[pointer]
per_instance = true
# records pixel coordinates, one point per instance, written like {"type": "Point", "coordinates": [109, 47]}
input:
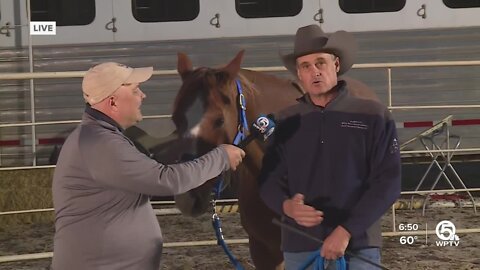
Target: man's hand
{"type": "Point", "coordinates": [303, 214]}
{"type": "Point", "coordinates": [335, 244]}
{"type": "Point", "coordinates": [235, 155]}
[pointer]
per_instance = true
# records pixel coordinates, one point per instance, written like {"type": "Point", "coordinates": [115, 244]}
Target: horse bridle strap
{"type": "Point", "coordinates": [242, 116]}
{"type": "Point", "coordinates": [242, 129]}
{"type": "Point", "coordinates": [240, 136]}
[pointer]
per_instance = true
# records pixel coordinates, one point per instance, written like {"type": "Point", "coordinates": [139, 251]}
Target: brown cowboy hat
{"type": "Point", "coordinates": [311, 39]}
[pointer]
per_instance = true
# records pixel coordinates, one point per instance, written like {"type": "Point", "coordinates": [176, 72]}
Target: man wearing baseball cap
{"type": "Point", "coordinates": [102, 183]}
{"type": "Point", "coordinates": [102, 81]}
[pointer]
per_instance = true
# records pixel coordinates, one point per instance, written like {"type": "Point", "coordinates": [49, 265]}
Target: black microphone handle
{"type": "Point", "coordinates": [254, 134]}
{"type": "Point", "coordinates": [250, 137]}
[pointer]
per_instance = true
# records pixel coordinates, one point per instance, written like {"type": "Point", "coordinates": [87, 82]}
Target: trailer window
{"type": "Point", "coordinates": [165, 10]}
{"type": "Point", "coordinates": [462, 3]}
{"type": "Point", "coordinates": [64, 12]}
{"type": "Point", "coordinates": [267, 8]}
{"type": "Point", "coordinates": [371, 6]}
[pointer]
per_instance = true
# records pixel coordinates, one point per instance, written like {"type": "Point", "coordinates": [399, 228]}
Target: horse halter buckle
{"type": "Point", "coordinates": [241, 100]}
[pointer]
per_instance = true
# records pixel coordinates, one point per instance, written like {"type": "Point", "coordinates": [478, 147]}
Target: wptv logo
{"type": "Point", "coordinates": [46, 28]}
{"type": "Point", "coordinates": [445, 231]}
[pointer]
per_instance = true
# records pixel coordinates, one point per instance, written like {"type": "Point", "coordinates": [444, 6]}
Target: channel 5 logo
{"type": "Point", "coordinates": [446, 232]}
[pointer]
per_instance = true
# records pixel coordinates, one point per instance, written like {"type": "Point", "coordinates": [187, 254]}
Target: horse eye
{"type": "Point", "coordinates": [219, 122]}
{"type": "Point", "coordinates": [225, 99]}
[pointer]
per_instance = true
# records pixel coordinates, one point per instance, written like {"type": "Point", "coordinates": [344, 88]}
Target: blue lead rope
{"type": "Point", "coordinates": [216, 223]}
{"type": "Point", "coordinates": [318, 262]}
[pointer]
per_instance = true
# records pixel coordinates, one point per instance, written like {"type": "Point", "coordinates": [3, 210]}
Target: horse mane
{"type": "Point", "coordinates": [249, 88]}
{"type": "Point", "coordinates": [248, 83]}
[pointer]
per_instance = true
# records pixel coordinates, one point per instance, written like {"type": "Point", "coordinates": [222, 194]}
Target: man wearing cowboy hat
{"type": "Point", "coordinates": [333, 167]}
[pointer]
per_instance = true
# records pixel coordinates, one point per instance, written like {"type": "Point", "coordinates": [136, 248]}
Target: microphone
{"type": "Point", "coordinates": [264, 126]}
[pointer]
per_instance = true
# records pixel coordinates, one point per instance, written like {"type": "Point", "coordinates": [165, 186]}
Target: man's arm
{"type": "Point", "coordinates": [121, 165]}
{"type": "Point", "coordinates": [274, 189]}
{"type": "Point", "coordinates": [383, 183]}
{"type": "Point", "coordinates": [273, 177]}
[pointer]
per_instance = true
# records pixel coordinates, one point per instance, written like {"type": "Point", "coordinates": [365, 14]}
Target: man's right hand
{"type": "Point", "coordinates": [303, 214]}
{"type": "Point", "coordinates": [235, 155]}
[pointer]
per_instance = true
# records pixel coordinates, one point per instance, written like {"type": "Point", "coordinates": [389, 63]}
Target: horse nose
{"type": "Point", "coordinates": [187, 149]}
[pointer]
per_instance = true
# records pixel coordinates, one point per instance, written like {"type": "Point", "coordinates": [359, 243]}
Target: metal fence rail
{"type": "Point", "coordinates": [235, 201]}
{"type": "Point", "coordinates": [241, 241]}
{"type": "Point", "coordinates": [388, 66]}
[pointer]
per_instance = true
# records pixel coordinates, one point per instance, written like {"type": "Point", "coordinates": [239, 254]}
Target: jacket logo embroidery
{"type": "Point", "coordinates": [353, 124]}
{"type": "Point", "coordinates": [394, 147]}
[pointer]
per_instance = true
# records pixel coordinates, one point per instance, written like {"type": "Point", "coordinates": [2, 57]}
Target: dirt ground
{"type": "Point", "coordinates": [422, 254]}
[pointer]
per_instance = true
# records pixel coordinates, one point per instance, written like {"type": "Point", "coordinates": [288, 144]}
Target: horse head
{"type": "Point", "coordinates": [205, 114]}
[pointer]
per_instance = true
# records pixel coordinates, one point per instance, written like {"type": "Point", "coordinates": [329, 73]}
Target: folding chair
{"type": "Point", "coordinates": [439, 150]}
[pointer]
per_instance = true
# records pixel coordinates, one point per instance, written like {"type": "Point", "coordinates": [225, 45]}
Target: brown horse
{"type": "Point", "coordinates": [206, 113]}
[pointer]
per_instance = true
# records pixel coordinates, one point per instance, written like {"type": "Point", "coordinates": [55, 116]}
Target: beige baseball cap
{"type": "Point", "coordinates": [102, 80]}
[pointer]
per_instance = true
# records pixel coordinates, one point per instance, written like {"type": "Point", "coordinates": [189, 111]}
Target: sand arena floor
{"type": "Point", "coordinates": [422, 254]}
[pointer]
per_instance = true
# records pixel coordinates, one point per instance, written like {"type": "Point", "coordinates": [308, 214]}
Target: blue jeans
{"type": "Point", "coordinates": [293, 260]}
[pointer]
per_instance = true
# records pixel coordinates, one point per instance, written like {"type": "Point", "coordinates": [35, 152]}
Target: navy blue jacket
{"type": "Point", "coordinates": [344, 158]}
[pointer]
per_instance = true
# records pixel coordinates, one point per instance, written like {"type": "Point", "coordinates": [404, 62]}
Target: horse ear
{"type": "Point", "coordinates": [234, 66]}
{"type": "Point", "coordinates": [184, 65]}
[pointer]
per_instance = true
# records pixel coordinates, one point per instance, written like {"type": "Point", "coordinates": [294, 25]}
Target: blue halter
{"type": "Point", "coordinates": [240, 136]}
{"type": "Point", "coordinates": [242, 122]}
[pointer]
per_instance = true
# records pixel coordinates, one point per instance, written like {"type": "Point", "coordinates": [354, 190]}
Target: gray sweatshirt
{"type": "Point", "coordinates": [101, 187]}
